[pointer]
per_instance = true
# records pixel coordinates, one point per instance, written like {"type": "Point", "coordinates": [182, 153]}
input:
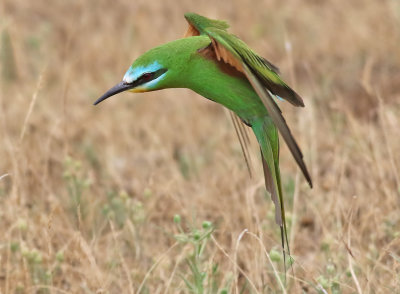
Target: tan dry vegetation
{"type": "Point", "coordinates": [137, 160]}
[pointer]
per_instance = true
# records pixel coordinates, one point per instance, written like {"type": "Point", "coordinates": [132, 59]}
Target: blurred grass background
{"type": "Point", "coordinates": [149, 193]}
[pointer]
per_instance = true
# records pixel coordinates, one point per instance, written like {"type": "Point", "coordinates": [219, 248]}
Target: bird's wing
{"type": "Point", "coordinates": [232, 50]}
{"type": "Point", "coordinates": [235, 52]}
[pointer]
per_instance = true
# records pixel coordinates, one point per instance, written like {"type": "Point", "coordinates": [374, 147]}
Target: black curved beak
{"type": "Point", "coordinates": [118, 88]}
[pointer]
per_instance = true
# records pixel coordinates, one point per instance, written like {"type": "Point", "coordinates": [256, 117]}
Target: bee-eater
{"type": "Point", "coordinates": [222, 68]}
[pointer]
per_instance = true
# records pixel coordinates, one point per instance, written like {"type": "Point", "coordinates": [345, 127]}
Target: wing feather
{"type": "Point", "coordinates": [225, 43]}
{"type": "Point", "coordinates": [191, 31]}
{"type": "Point", "coordinates": [279, 121]}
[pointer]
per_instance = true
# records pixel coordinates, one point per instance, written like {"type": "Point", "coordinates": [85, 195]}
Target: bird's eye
{"type": "Point", "coordinates": [146, 76]}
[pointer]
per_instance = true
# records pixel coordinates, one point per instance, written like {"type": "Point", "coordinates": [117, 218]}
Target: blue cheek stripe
{"type": "Point", "coordinates": [134, 73]}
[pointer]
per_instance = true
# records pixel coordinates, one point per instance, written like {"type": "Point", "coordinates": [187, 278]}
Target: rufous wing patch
{"type": "Point", "coordinates": [191, 31]}
{"type": "Point", "coordinates": [222, 53]}
{"type": "Point", "coordinates": [209, 52]}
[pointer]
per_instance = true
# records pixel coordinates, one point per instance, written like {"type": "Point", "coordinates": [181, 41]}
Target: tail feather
{"type": "Point", "coordinates": [270, 185]}
{"type": "Point", "coordinates": [268, 139]}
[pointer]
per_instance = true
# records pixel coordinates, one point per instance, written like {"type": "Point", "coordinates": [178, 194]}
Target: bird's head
{"type": "Point", "coordinates": [159, 68]}
{"type": "Point", "coordinates": [140, 77]}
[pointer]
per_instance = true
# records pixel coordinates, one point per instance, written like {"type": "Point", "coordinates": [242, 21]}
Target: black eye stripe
{"type": "Point", "coordinates": [149, 76]}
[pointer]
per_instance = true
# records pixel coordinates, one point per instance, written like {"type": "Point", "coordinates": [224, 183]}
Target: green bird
{"type": "Point", "coordinates": [222, 68]}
